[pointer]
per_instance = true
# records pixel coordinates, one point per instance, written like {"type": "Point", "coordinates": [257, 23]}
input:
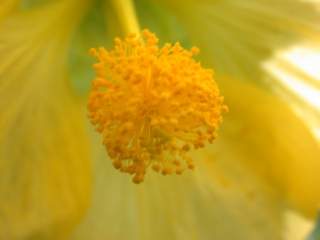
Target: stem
{"type": "Point", "coordinates": [126, 14]}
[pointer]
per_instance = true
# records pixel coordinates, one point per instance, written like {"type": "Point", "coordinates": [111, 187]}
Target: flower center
{"type": "Point", "coordinates": [153, 105]}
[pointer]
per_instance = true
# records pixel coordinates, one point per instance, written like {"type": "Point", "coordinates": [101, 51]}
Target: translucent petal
{"type": "Point", "coordinates": [279, 145]}
{"type": "Point", "coordinates": [213, 202]}
{"type": "Point", "coordinates": [296, 72]}
{"type": "Point", "coordinates": [236, 35]}
{"type": "Point", "coordinates": [166, 24]}
{"type": "Point", "coordinates": [44, 164]}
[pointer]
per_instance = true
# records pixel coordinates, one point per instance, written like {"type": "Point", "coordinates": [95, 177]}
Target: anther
{"type": "Point", "coordinates": [152, 104]}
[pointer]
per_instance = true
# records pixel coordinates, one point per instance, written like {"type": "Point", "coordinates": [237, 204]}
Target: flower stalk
{"type": "Point", "coordinates": [127, 16]}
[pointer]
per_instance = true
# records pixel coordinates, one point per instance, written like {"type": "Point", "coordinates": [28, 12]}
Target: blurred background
{"type": "Point", "coordinates": [56, 179]}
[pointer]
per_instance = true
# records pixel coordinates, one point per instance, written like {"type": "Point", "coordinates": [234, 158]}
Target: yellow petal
{"type": "Point", "coordinates": [237, 205]}
{"type": "Point", "coordinates": [44, 164]}
{"type": "Point", "coordinates": [236, 36]}
{"type": "Point", "coordinates": [6, 7]}
{"type": "Point", "coordinates": [296, 72]}
{"type": "Point", "coordinates": [277, 143]}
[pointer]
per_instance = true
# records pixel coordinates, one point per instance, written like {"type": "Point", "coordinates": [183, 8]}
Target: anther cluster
{"type": "Point", "coordinates": [153, 105]}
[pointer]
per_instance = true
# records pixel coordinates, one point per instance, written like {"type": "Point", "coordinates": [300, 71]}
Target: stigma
{"type": "Point", "coordinates": [153, 105]}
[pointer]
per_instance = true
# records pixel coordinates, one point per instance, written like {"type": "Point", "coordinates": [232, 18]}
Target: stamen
{"type": "Point", "coordinates": [153, 105]}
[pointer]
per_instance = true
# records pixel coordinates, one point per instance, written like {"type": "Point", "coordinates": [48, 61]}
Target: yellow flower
{"type": "Point", "coordinates": [264, 162]}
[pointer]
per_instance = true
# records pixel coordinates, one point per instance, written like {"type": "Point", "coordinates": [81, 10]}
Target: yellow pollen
{"type": "Point", "coordinates": [153, 105]}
